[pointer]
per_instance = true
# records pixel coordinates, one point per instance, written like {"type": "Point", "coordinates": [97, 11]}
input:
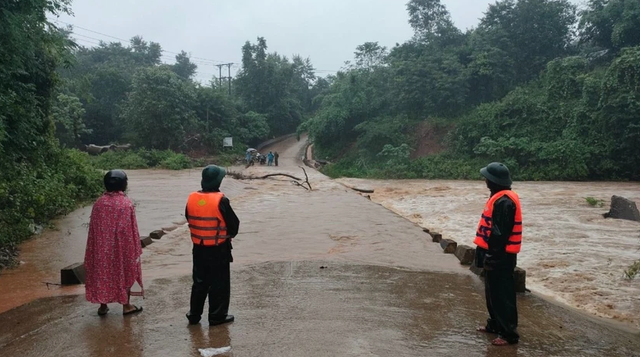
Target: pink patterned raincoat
{"type": "Point", "coordinates": [112, 258]}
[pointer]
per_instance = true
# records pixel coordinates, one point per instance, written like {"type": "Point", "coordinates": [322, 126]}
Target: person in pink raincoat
{"type": "Point", "coordinates": [112, 258]}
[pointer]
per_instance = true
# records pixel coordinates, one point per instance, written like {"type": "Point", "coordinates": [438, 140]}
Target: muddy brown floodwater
{"type": "Point", "coordinates": [316, 273]}
{"type": "Point", "coordinates": [570, 251]}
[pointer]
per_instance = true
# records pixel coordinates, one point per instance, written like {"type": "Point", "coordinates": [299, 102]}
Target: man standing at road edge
{"type": "Point", "coordinates": [212, 224]}
{"type": "Point", "coordinates": [499, 238]}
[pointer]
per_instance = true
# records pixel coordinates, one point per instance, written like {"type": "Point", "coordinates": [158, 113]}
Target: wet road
{"type": "Point", "coordinates": [385, 289]}
{"type": "Point", "coordinates": [300, 309]}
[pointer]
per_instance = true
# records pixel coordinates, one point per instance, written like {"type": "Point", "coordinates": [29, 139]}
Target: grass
{"type": "Point", "coordinates": [594, 202]}
{"type": "Point", "coordinates": [633, 270]}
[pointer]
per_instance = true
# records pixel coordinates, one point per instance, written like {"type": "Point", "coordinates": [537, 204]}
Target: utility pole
{"type": "Point", "coordinates": [229, 67]}
{"type": "Point", "coordinates": [220, 78]}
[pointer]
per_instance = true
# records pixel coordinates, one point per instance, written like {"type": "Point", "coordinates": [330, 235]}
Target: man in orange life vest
{"type": "Point", "coordinates": [212, 223]}
{"type": "Point", "coordinates": [499, 237]}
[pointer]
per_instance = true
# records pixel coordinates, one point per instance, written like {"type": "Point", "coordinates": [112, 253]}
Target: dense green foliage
{"type": "Point", "coordinates": [127, 95]}
{"type": "Point", "coordinates": [39, 179]}
{"type": "Point", "coordinates": [164, 159]}
{"type": "Point", "coordinates": [272, 85]}
{"type": "Point", "coordinates": [56, 97]}
{"type": "Point", "coordinates": [523, 88]}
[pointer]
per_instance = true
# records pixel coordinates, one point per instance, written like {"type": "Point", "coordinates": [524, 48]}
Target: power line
{"type": "Point", "coordinates": [126, 41]}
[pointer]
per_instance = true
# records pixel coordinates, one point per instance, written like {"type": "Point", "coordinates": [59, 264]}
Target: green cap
{"type": "Point", "coordinates": [212, 176]}
{"type": "Point", "coordinates": [497, 173]}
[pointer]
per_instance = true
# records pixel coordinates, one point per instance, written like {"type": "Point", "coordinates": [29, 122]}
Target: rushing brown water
{"type": "Point", "coordinates": [571, 253]}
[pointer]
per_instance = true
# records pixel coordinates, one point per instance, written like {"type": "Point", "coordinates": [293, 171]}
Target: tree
{"type": "Point", "coordinates": [432, 22]}
{"type": "Point", "coordinates": [159, 108]}
{"type": "Point", "coordinates": [183, 66]}
{"type": "Point", "coordinates": [68, 115]}
{"type": "Point", "coordinates": [611, 24]}
{"type": "Point", "coordinates": [370, 55]}
{"type": "Point", "coordinates": [271, 84]}
{"type": "Point", "coordinates": [39, 180]}
{"type": "Point", "coordinates": [529, 33]}
{"type": "Point", "coordinates": [101, 77]}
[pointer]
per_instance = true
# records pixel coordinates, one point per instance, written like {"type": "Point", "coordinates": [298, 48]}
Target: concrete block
{"type": "Point", "coordinates": [520, 276]}
{"type": "Point", "coordinates": [449, 246]}
{"type": "Point", "coordinates": [169, 229]}
{"type": "Point", "coordinates": [436, 237]}
{"type": "Point", "coordinates": [146, 241]}
{"type": "Point", "coordinates": [73, 274]}
{"type": "Point", "coordinates": [157, 234]}
{"type": "Point", "coordinates": [465, 254]}
{"type": "Point", "coordinates": [477, 271]}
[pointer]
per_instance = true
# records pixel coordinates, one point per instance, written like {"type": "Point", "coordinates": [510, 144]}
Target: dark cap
{"type": "Point", "coordinates": [497, 173]}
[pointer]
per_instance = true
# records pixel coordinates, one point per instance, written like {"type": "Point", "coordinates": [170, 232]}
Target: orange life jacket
{"type": "Point", "coordinates": [486, 222]}
{"type": "Point", "coordinates": [206, 223]}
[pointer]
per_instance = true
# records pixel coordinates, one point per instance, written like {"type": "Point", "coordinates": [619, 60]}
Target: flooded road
{"type": "Point", "coordinates": [316, 273]}
{"type": "Point", "coordinates": [570, 252]}
{"type": "Point", "coordinates": [159, 196]}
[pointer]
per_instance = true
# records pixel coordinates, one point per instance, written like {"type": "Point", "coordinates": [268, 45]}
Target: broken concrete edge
{"type": "Point", "coordinates": [435, 236]}
{"type": "Point", "coordinates": [448, 246]}
{"type": "Point", "coordinates": [465, 254]}
{"type": "Point", "coordinates": [73, 274]}
{"type": "Point", "coordinates": [157, 234]}
{"type": "Point", "coordinates": [146, 241]}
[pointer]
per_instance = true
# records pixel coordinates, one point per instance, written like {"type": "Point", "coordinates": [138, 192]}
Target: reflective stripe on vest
{"type": "Point", "coordinates": [486, 222]}
{"type": "Point", "coordinates": [206, 223]}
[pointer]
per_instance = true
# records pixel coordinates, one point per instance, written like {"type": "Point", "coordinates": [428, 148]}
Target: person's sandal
{"type": "Point", "coordinates": [485, 329]}
{"type": "Point", "coordinates": [134, 311]}
{"type": "Point", "coordinates": [103, 312]}
{"type": "Point", "coordinates": [501, 342]}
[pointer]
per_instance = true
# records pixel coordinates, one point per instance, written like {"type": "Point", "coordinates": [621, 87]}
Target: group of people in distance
{"type": "Point", "coordinates": [270, 159]}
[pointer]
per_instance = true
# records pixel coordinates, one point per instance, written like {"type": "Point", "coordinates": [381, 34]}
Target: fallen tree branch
{"type": "Point", "coordinates": [271, 175]}
{"type": "Point", "coordinates": [240, 176]}
{"type": "Point", "coordinates": [306, 178]}
{"type": "Point", "coordinates": [362, 190]}
{"type": "Point", "coordinates": [300, 184]}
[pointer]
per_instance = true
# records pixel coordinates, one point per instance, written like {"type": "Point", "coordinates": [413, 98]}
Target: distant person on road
{"type": "Point", "coordinates": [275, 157]}
{"type": "Point", "coordinates": [112, 256]}
{"type": "Point", "coordinates": [270, 159]}
{"type": "Point", "coordinates": [248, 158]}
{"type": "Point", "coordinates": [499, 237]}
{"type": "Point", "coordinates": [213, 224]}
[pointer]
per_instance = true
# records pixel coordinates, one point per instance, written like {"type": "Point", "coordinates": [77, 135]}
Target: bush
{"type": "Point", "coordinates": [31, 195]}
{"type": "Point", "coordinates": [142, 159]}
{"type": "Point", "coordinates": [176, 162]}
{"type": "Point", "coordinates": [120, 160]}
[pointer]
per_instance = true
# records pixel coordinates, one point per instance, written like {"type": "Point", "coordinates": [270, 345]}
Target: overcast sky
{"type": "Point", "coordinates": [327, 31]}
